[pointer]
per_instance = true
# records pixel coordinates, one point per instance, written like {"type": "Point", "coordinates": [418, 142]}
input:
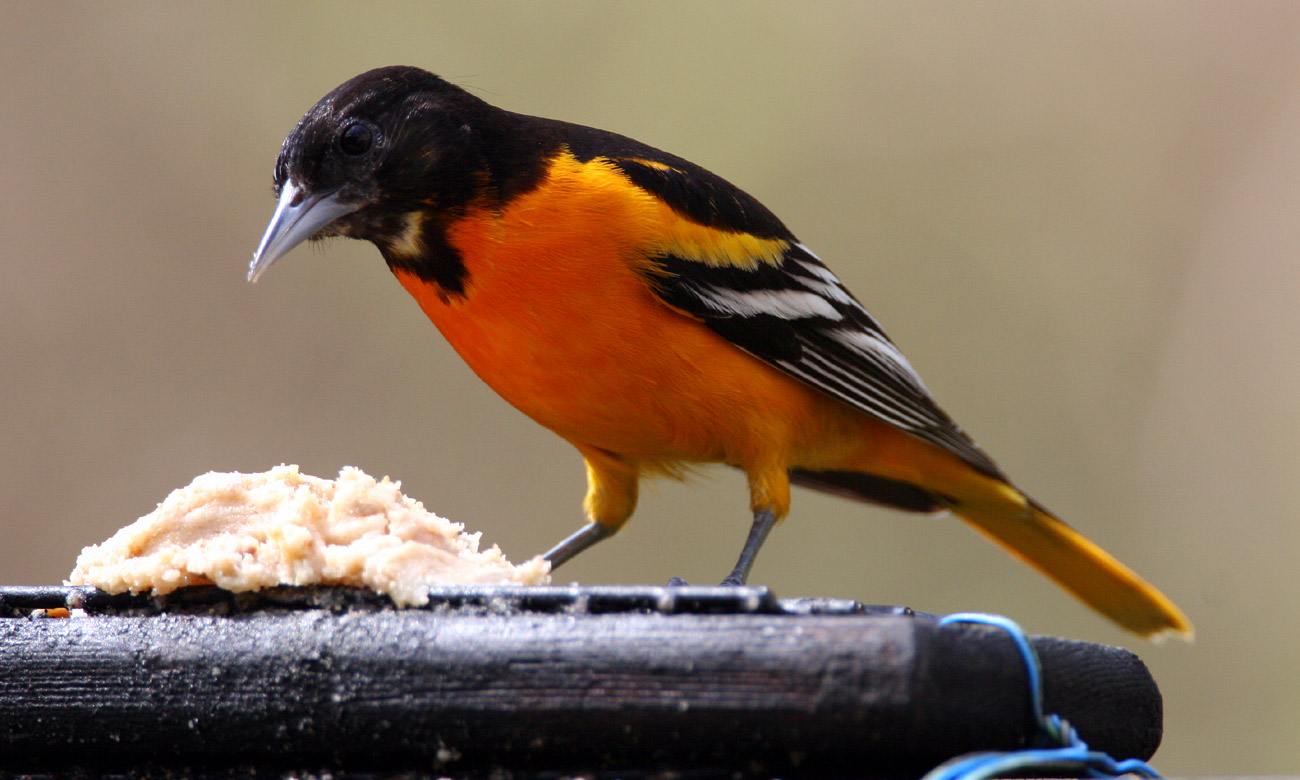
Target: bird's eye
{"type": "Point", "coordinates": [356, 139]}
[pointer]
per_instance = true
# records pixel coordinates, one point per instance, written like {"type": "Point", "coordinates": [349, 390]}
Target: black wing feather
{"type": "Point", "coordinates": [848, 356]}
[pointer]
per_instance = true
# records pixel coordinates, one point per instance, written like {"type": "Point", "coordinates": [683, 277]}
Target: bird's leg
{"type": "Point", "coordinates": [764, 521]}
{"type": "Point", "coordinates": [611, 497]}
{"type": "Point", "coordinates": [580, 540]}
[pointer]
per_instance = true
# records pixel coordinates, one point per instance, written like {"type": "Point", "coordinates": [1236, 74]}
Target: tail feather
{"type": "Point", "coordinates": [1037, 537]}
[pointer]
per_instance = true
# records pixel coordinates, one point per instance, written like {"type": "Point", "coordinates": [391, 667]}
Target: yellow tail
{"type": "Point", "coordinates": [1080, 566]}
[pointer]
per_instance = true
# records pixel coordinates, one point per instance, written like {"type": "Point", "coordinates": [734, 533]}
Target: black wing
{"type": "Point", "coordinates": [798, 317]}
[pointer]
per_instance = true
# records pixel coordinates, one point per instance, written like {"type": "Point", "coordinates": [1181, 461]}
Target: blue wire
{"type": "Point", "coordinates": [1063, 749]}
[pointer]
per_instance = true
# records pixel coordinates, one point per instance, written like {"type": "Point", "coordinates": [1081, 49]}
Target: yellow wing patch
{"type": "Point", "coordinates": [693, 241]}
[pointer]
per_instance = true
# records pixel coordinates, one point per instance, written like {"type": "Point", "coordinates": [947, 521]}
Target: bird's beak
{"type": "Point", "coordinates": [298, 216]}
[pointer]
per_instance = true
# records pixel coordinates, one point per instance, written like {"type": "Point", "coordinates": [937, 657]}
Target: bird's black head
{"type": "Point", "coordinates": [380, 147]}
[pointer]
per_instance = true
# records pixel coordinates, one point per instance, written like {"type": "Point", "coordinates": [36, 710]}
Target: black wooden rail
{"type": "Point", "coordinates": [529, 682]}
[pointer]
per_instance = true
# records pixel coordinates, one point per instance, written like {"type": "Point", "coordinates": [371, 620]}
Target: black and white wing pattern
{"type": "Point", "coordinates": [796, 315]}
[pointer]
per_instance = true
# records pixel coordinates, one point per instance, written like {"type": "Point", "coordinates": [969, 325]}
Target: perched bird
{"type": "Point", "coordinates": [653, 315]}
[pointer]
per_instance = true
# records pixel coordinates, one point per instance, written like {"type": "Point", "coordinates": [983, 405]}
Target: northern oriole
{"type": "Point", "coordinates": [655, 316]}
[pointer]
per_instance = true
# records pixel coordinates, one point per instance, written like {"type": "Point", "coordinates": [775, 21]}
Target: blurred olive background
{"type": "Point", "coordinates": [1080, 221]}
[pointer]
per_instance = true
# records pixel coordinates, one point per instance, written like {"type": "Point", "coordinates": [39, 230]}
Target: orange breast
{"type": "Point", "coordinates": [558, 320]}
